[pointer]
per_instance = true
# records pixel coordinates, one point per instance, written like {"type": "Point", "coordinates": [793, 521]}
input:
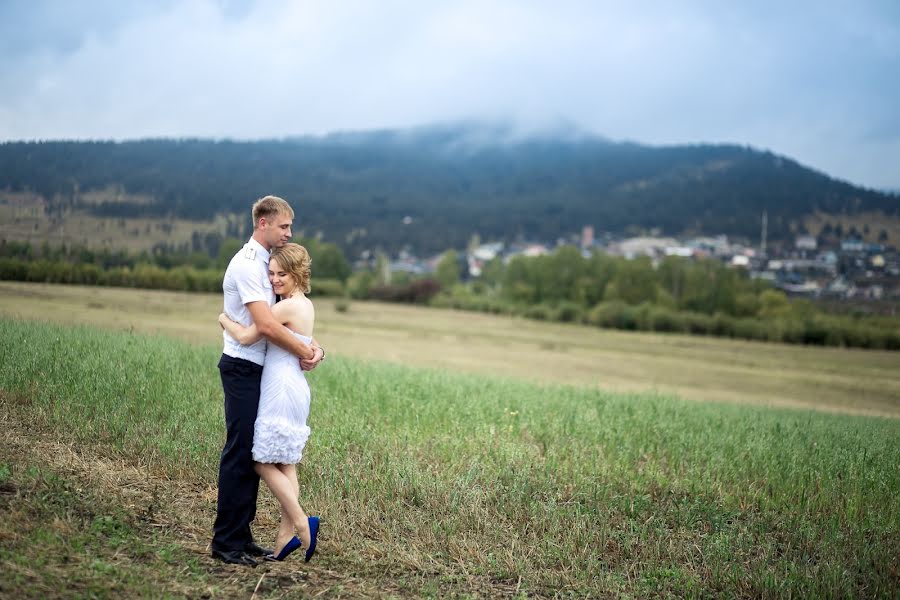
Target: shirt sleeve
{"type": "Point", "coordinates": [251, 285]}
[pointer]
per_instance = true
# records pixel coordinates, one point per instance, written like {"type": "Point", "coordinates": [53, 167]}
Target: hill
{"type": "Point", "coordinates": [358, 189]}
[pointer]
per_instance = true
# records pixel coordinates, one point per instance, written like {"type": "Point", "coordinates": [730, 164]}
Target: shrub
{"type": "Point", "coordinates": [697, 323]}
{"type": "Point", "coordinates": [750, 329]}
{"type": "Point", "coordinates": [614, 315]}
{"type": "Point", "coordinates": [540, 312]}
{"type": "Point", "coordinates": [569, 312]}
{"type": "Point", "coordinates": [722, 325]}
{"type": "Point", "coordinates": [662, 319]}
{"type": "Point", "coordinates": [12, 269]}
{"type": "Point", "coordinates": [326, 287]}
{"type": "Point", "coordinates": [420, 291]}
{"type": "Point", "coordinates": [359, 284]}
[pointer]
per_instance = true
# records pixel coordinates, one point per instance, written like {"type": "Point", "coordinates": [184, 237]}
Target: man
{"type": "Point", "coordinates": [248, 298]}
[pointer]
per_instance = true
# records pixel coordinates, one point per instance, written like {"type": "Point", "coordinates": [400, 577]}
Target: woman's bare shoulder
{"type": "Point", "coordinates": [297, 304]}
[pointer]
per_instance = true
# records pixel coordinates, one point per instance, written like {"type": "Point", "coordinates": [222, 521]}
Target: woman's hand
{"type": "Point", "coordinates": [222, 318]}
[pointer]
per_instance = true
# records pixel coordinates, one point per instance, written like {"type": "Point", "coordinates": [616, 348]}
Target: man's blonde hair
{"type": "Point", "coordinates": [268, 207]}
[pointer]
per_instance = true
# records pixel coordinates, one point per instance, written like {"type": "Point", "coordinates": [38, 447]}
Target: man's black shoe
{"type": "Point", "coordinates": [234, 557]}
{"type": "Point", "coordinates": [254, 549]}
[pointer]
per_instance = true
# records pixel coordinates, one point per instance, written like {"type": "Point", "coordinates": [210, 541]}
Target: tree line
{"type": "Point", "coordinates": [676, 295]}
{"type": "Point", "coordinates": [164, 267]}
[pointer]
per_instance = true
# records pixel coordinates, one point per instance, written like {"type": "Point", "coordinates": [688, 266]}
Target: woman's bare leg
{"type": "Point", "coordinates": [285, 489]}
{"type": "Point", "coordinates": [285, 532]}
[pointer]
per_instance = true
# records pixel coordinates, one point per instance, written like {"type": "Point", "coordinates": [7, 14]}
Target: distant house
{"type": "Point", "coordinates": [486, 252]}
{"type": "Point", "coordinates": [682, 251]}
{"type": "Point", "coordinates": [535, 250]}
{"type": "Point", "coordinates": [714, 246]}
{"type": "Point", "coordinates": [806, 242]}
{"type": "Point", "coordinates": [411, 266]}
{"type": "Point", "coordinates": [587, 236]}
{"type": "Point", "coordinates": [851, 245]}
{"type": "Point", "coordinates": [481, 255]}
{"type": "Point", "coordinates": [644, 246]}
{"type": "Point", "coordinates": [806, 288]}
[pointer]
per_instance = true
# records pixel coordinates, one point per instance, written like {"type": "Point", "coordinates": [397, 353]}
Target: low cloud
{"type": "Point", "coordinates": [807, 80]}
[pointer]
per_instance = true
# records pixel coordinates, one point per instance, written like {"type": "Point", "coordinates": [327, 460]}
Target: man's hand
{"type": "Point", "coordinates": [309, 365]}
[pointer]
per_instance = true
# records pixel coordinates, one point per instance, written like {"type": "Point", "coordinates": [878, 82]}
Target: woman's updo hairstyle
{"type": "Point", "coordinates": [294, 259]}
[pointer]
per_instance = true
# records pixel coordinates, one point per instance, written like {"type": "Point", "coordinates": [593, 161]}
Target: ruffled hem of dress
{"type": "Point", "coordinates": [277, 440]}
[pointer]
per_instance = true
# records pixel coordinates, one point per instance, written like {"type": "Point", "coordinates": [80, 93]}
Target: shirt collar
{"type": "Point", "coordinates": [260, 249]}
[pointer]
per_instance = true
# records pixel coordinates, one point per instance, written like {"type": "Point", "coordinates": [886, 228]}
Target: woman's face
{"type": "Point", "coordinates": [283, 283]}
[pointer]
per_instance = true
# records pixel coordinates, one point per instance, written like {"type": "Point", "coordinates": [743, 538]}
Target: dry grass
{"type": "Point", "coordinates": [699, 368]}
{"type": "Point", "coordinates": [67, 488]}
{"type": "Point", "coordinates": [60, 489]}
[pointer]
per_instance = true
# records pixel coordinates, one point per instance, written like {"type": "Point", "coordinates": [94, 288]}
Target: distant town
{"type": "Point", "coordinates": [844, 270]}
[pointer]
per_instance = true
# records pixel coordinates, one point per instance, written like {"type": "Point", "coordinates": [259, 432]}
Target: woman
{"type": "Point", "coordinates": [280, 432]}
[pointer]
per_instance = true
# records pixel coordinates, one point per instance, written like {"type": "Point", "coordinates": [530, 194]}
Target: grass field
{"type": "Point", "coordinates": [696, 368]}
{"type": "Point", "coordinates": [431, 483]}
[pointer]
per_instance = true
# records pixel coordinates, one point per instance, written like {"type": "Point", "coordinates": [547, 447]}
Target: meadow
{"type": "Point", "coordinates": [431, 482]}
{"type": "Point", "coordinates": [855, 381]}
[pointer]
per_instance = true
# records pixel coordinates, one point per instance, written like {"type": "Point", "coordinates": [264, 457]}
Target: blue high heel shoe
{"type": "Point", "coordinates": [292, 545]}
{"type": "Point", "coordinates": [313, 535]}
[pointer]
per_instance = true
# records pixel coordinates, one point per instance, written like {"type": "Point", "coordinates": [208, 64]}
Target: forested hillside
{"type": "Point", "coordinates": [358, 189]}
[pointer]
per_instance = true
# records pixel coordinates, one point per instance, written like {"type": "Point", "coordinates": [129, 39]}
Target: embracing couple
{"type": "Point", "coordinates": [268, 347]}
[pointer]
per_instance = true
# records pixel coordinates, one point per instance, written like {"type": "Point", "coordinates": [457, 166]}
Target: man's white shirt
{"type": "Point", "coordinates": [246, 280]}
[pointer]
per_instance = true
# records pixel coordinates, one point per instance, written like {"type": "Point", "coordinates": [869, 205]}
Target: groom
{"type": "Point", "coordinates": [248, 299]}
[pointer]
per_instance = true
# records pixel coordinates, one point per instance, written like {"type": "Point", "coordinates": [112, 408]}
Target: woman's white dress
{"type": "Point", "coordinates": [281, 432]}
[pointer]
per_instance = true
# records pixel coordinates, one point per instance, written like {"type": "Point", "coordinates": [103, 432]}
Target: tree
{"type": "Point", "coordinates": [447, 272]}
{"type": "Point", "coordinates": [330, 263]}
{"type": "Point", "coordinates": [634, 282]}
{"type": "Point", "coordinates": [227, 250]}
{"type": "Point", "coordinates": [560, 273]}
{"type": "Point", "coordinates": [772, 304]}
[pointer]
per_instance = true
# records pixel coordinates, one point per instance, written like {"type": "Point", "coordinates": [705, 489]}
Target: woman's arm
{"type": "Point", "coordinates": [245, 335]}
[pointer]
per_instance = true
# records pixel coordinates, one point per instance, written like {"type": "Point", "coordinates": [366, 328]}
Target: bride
{"type": "Point", "coordinates": [281, 432]}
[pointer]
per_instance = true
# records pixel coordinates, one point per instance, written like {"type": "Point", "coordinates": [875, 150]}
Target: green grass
{"type": "Point", "coordinates": [462, 484]}
{"type": "Point", "coordinates": [692, 367]}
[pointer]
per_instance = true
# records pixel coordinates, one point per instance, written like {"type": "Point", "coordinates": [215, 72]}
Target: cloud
{"type": "Point", "coordinates": [803, 79]}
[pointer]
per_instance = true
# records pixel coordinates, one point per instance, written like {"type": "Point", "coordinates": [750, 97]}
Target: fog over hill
{"type": "Point", "coordinates": [358, 188]}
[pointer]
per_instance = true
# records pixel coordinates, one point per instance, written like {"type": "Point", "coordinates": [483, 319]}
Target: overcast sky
{"type": "Point", "coordinates": [818, 81]}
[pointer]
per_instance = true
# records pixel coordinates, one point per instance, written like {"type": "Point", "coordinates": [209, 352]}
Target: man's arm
{"type": "Point", "coordinates": [275, 332]}
{"type": "Point", "coordinates": [310, 364]}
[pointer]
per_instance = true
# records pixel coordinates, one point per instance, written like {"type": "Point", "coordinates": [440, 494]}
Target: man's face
{"type": "Point", "coordinates": [276, 230]}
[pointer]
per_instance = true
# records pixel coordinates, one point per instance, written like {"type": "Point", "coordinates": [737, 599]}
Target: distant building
{"type": "Point", "coordinates": [644, 246]}
{"type": "Point", "coordinates": [481, 255]}
{"type": "Point", "coordinates": [852, 245]}
{"type": "Point", "coordinates": [535, 250]}
{"type": "Point", "coordinates": [806, 242]}
{"type": "Point", "coordinates": [587, 236]}
{"type": "Point", "coordinates": [682, 251]}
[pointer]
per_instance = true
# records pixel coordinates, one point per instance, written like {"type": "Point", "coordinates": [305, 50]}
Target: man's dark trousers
{"type": "Point", "coordinates": [238, 482]}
